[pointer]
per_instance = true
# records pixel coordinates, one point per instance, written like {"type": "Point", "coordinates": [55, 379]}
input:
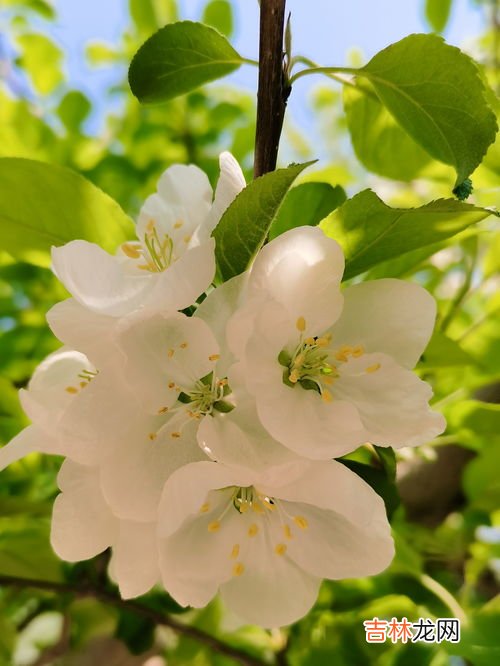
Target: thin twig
{"type": "Point", "coordinates": [138, 608]}
{"type": "Point", "coordinates": [274, 88]}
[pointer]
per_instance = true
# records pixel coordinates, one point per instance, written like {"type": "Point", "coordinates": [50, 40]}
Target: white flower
{"type": "Point", "coordinates": [328, 373]}
{"type": "Point", "coordinates": [266, 538]}
{"type": "Point", "coordinates": [166, 270]}
{"type": "Point", "coordinates": [83, 526]}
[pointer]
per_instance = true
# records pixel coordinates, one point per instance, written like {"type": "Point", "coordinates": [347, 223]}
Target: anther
{"type": "Point", "coordinates": [131, 251]}
{"type": "Point", "coordinates": [152, 436]}
{"type": "Point", "coordinates": [71, 389]}
{"type": "Point", "coordinates": [280, 549]}
{"type": "Point", "coordinates": [204, 508]}
{"type": "Point", "coordinates": [373, 368]}
{"type": "Point", "coordinates": [170, 353]}
{"type": "Point", "coordinates": [213, 526]}
{"type": "Point", "coordinates": [301, 522]}
{"type": "Point", "coordinates": [294, 376]}
{"type": "Point", "coordinates": [163, 410]}
{"type": "Point", "coordinates": [214, 357]}
{"type": "Point", "coordinates": [326, 395]}
{"type": "Point", "coordinates": [301, 324]}
{"type": "Point", "coordinates": [187, 238]}
{"type": "Point", "coordinates": [83, 385]}
{"type": "Point", "coordinates": [235, 551]}
{"type": "Point", "coordinates": [183, 345]}
{"type": "Point", "coordinates": [178, 224]}
{"type": "Point", "coordinates": [358, 351]}
{"type": "Point", "coordinates": [287, 531]}
{"type": "Point", "coordinates": [171, 385]}
{"type": "Point", "coordinates": [175, 435]}
{"type": "Point", "coordinates": [252, 530]}
{"type": "Point", "coordinates": [238, 569]}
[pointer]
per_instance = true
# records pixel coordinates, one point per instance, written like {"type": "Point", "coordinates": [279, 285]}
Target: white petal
{"type": "Point", "coordinates": [186, 186]}
{"type": "Point", "coordinates": [165, 350]}
{"type": "Point", "coordinates": [184, 280]}
{"type": "Point", "coordinates": [81, 328]}
{"type": "Point", "coordinates": [194, 561]}
{"type": "Point", "coordinates": [134, 564]}
{"type": "Point", "coordinates": [97, 280]}
{"type": "Point", "coordinates": [217, 309]}
{"type": "Point", "coordinates": [82, 524]}
{"type": "Point", "coordinates": [272, 591]}
{"type": "Point", "coordinates": [238, 439]}
{"type": "Point", "coordinates": [132, 480]}
{"type": "Point", "coordinates": [301, 270]}
{"type": "Point", "coordinates": [27, 441]}
{"type": "Point", "coordinates": [186, 491]}
{"type": "Point", "coordinates": [389, 316]}
{"type": "Point", "coordinates": [392, 401]}
{"type": "Point", "coordinates": [231, 182]}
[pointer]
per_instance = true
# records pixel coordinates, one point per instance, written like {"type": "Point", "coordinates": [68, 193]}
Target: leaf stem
{"type": "Point", "coordinates": [444, 596]}
{"type": "Point", "coordinates": [329, 71]}
{"type": "Point", "coordinates": [274, 88]}
{"type": "Point", "coordinates": [159, 618]}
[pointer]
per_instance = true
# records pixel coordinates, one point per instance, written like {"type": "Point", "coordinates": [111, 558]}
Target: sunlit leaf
{"type": "Point", "coordinates": [219, 14]}
{"type": "Point", "coordinates": [43, 205]}
{"type": "Point", "coordinates": [436, 94]}
{"type": "Point", "coordinates": [437, 13]}
{"type": "Point", "coordinates": [178, 58]}
{"type": "Point", "coordinates": [42, 59]}
{"type": "Point", "coordinates": [244, 226]}
{"type": "Point", "coordinates": [370, 232]}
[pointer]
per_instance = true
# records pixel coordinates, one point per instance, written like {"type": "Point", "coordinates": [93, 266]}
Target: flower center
{"type": "Point", "coordinates": [314, 364]}
{"type": "Point", "coordinates": [83, 380]}
{"type": "Point", "coordinates": [157, 252]}
{"type": "Point", "coordinates": [260, 512]}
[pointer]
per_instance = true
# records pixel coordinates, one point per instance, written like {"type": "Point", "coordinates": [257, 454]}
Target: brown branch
{"type": "Point", "coordinates": [273, 88]}
{"type": "Point", "coordinates": [139, 609]}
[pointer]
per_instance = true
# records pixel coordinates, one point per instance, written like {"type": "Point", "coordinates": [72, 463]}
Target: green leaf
{"type": "Point", "coordinates": [43, 205]}
{"type": "Point", "coordinates": [306, 204]}
{"type": "Point", "coordinates": [25, 550]}
{"type": "Point", "coordinates": [74, 109]}
{"type": "Point", "coordinates": [437, 13]}
{"type": "Point", "coordinates": [370, 232]}
{"type": "Point", "coordinates": [219, 14]}
{"type": "Point", "coordinates": [41, 7]}
{"type": "Point", "coordinates": [42, 59]}
{"type": "Point", "coordinates": [243, 228]}
{"type": "Point", "coordinates": [380, 144]}
{"type": "Point", "coordinates": [442, 352]}
{"type": "Point", "coordinates": [178, 58]}
{"type": "Point", "coordinates": [135, 631]}
{"type": "Point", "coordinates": [435, 93]}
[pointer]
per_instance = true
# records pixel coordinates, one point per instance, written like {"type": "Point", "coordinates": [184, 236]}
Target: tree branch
{"type": "Point", "coordinates": [136, 607]}
{"type": "Point", "coordinates": [274, 88]}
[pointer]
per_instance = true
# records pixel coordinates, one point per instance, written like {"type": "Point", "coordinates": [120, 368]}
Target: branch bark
{"type": "Point", "coordinates": [136, 607]}
{"type": "Point", "coordinates": [274, 88]}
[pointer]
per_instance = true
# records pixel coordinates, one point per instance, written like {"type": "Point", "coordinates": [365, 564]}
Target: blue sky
{"type": "Point", "coordinates": [324, 30]}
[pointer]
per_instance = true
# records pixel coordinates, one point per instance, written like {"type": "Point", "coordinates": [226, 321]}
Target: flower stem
{"type": "Point", "coordinates": [274, 88]}
{"type": "Point", "coordinates": [162, 619]}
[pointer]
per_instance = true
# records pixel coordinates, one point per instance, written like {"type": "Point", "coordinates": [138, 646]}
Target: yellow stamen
{"type": "Point", "coordinates": [187, 238]}
{"type": "Point", "coordinates": [152, 436]}
{"type": "Point", "coordinates": [358, 351]}
{"type": "Point", "coordinates": [280, 549]}
{"type": "Point", "coordinates": [131, 251]}
{"type": "Point", "coordinates": [204, 508]}
{"type": "Point", "coordinates": [373, 368]}
{"type": "Point", "coordinates": [323, 342]}
{"type": "Point", "coordinates": [238, 569]}
{"type": "Point", "coordinates": [294, 376]}
{"type": "Point", "coordinates": [83, 385]}
{"type": "Point", "coordinates": [301, 324]}
{"type": "Point", "coordinates": [310, 341]}
{"type": "Point", "coordinates": [268, 504]}
{"type": "Point", "coordinates": [299, 360]}
{"type": "Point", "coordinates": [71, 389]}
{"type": "Point", "coordinates": [183, 345]}
{"type": "Point", "coordinates": [170, 353]}
{"type": "Point", "coordinates": [243, 507]}
{"type": "Point", "coordinates": [163, 410]}
{"type": "Point", "coordinates": [287, 531]}
{"type": "Point", "coordinates": [257, 507]}
{"type": "Point", "coordinates": [235, 552]}
{"type": "Point", "coordinates": [175, 435]}
{"type": "Point", "coordinates": [222, 382]}
{"type": "Point", "coordinates": [214, 357]}
{"type": "Point", "coordinates": [252, 530]}
{"type": "Point", "coordinates": [301, 522]}
{"type": "Point", "coordinates": [214, 526]}
{"type": "Point", "coordinates": [178, 224]}
{"type": "Point", "coordinates": [171, 385]}
{"type": "Point", "coordinates": [326, 395]}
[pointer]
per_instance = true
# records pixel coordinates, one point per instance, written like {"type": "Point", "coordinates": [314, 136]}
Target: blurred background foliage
{"type": "Point", "coordinates": [446, 513]}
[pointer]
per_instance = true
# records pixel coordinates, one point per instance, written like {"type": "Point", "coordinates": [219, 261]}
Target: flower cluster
{"type": "Point", "coordinates": [200, 425]}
